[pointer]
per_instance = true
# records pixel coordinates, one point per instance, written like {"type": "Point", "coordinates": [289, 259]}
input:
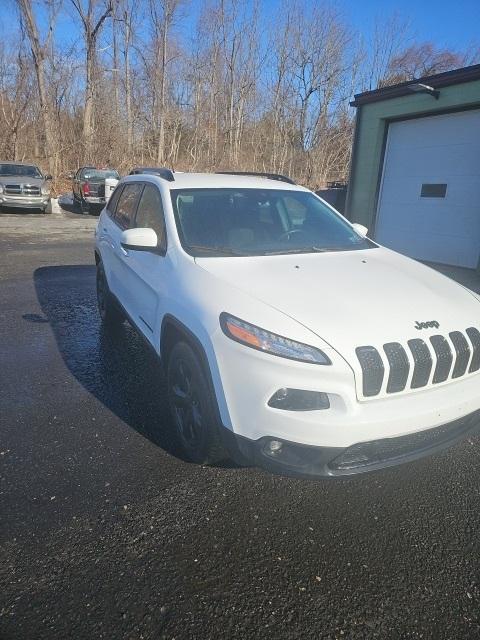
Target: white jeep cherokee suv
{"type": "Point", "coordinates": [288, 338]}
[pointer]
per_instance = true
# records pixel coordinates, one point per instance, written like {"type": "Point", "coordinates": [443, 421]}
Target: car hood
{"type": "Point", "coordinates": [353, 298]}
{"type": "Point", "coordinates": [33, 182]}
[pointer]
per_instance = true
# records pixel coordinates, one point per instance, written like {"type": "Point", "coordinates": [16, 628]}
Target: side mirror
{"type": "Point", "coordinates": [71, 175]}
{"type": "Point", "coordinates": [142, 239]}
{"type": "Point", "coordinates": [48, 177]}
{"type": "Point", "coordinates": [360, 229]}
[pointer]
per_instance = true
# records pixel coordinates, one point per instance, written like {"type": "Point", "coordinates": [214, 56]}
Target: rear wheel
{"type": "Point", "coordinates": [192, 407]}
{"type": "Point", "coordinates": [108, 310]}
{"type": "Point", "coordinates": [83, 206]}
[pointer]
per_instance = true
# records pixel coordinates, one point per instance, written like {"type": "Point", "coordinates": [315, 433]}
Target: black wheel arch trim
{"type": "Point", "coordinates": [190, 337]}
{"type": "Point", "coordinates": [227, 435]}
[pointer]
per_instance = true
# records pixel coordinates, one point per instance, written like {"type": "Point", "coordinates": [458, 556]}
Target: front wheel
{"type": "Point", "coordinates": [108, 310]}
{"type": "Point", "coordinates": [192, 407]}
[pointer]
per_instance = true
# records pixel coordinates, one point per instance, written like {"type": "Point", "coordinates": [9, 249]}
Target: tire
{"type": "Point", "coordinates": [82, 205]}
{"type": "Point", "coordinates": [192, 406]}
{"type": "Point", "coordinates": [109, 312]}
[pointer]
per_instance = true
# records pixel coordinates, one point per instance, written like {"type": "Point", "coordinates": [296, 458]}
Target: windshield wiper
{"type": "Point", "coordinates": [226, 251]}
{"type": "Point", "coordinates": [302, 250]}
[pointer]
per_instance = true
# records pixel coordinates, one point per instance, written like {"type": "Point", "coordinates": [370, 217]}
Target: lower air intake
{"type": "Point", "coordinates": [379, 452]}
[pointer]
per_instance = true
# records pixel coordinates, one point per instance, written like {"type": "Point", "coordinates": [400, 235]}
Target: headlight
{"type": "Point", "coordinates": [252, 336]}
{"type": "Point", "coordinates": [45, 190]}
{"type": "Point", "coordinates": [1, 188]}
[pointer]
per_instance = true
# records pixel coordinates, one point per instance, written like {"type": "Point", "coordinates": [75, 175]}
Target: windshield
{"type": "Point", "coordinates": [26, 170]}
{"type": "Point", "coordinates": [90, 174]}
{"type": "Point", "coordinates": [248, 222]}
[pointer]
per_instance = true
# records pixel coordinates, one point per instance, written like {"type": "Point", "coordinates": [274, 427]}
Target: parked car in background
{"type": "Point", "coordinates": [88, 188]}
{"type": "Point", "coordinates": [24, 186]}
{"type": "Point", "coordinates": [288, 337]}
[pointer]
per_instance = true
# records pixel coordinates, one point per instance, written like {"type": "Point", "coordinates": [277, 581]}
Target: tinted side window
{"type": "Point", "coordinates": [150, 213]}
{"type": "Point", "coordinates": [112, 203]}
{"type": "Point", "coordinates": [127, 204]}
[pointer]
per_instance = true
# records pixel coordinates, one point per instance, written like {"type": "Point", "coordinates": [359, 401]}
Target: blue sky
{"type": "Point", "coordinates": [447, 24]}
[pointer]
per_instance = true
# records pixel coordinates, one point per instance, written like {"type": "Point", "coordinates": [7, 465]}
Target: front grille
{"type": "Point", "coordinates": [379, 452]}
{"type": "Point", "coordinates": [22, 190]}
{"type": "Point", "coordinates": [399, 367]}
{"type": "Point", "coordinates": [444, 358]}
{"type": "Point", "coordinates": [474, 335]}
{"type": "Point", "coordinates": [423, 363]}
{"type": "Point", "coordinates": [13, 189]}
{"type": "Point", "coordinates": [463, 353]}
{"type": "Point", "coordinates": [372, 369]}
{"type": "Point", "coordinates": [445, 362]}
{"type": "Point", "coordinates": [30, 190]}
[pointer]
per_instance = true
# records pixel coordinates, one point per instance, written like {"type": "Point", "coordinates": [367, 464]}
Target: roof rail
{"type": "Point", "coordinates": [165, 173]}
{"type": "Point", "coordinates": [270, 176]}
{"type": "Point", "coordinates": [161, 172]}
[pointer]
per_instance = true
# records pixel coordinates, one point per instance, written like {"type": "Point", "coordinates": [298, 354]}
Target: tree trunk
{"type": "Point", "coordinates": [115, 61]}
{"type": "Point", "coordinates": [88, 108]}
{"type": "Point", "coordinates": [128, 84]}
{"type": "Point", "coordinates": [161, 102]}
{"type": "Point", "coordinates": [38, 54]}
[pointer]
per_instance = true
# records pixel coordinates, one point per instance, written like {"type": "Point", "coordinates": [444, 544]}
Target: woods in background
{"type": "Point", "coordinates": [196, 85]}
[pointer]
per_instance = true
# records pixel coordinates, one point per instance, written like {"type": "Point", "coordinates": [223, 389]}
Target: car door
{"type": "Point", "coordinates": [148, 270]}
{"type": "Point", "coordinates": [106, 231]}
{"type": "Point", "coordinates": [120, 280]}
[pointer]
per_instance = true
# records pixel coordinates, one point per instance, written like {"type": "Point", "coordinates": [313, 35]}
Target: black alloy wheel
{"type": "Point", "coordinates": [192, 407]}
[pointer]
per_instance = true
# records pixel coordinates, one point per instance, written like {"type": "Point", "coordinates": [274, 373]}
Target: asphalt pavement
{"type": "Point", "coordinates": [105, 532]}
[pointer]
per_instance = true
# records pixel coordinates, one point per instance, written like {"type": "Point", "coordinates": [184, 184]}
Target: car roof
{"type": "Point", "coordinates": [89, 166]}
{"type": "Point", "coordinates": [23, 164]}
{"type": "Point", "coordinates": [221, 181]}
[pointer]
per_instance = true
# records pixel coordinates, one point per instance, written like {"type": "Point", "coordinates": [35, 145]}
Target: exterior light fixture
{"type": "Point", "coordinates": [419, 87]}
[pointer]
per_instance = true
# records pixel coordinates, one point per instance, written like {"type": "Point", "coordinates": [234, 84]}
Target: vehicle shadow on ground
{"type": "Point", "coordinates": [74, 207]}
{"type": "Point", "coordinates": [117, 368]}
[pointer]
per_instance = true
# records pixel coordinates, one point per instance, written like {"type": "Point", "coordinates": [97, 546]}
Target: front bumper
{"type": "Point", "coordinates": [247, 379]}
{"type": "Point", "coordinates": [35, 202]}
{"type": "Point", "coordinates": [307, 461]}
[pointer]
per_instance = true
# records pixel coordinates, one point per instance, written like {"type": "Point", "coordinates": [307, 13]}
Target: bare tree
{"type": "Point", "coordinates": [420, 60]}
{"type": "Point", "coordinates": [39, 51]}
{"type": "Point", "coordinates": [390, 36]}
{"type": "Point", "coordinates": [92, 16]}
{"type": "Point", "coordinates": [225, 86]}
{"type": "Point", "coordinates": [127, 24]}
{"type": "Point", "coordinates": [162, 14]}
{"type": "Point", "coordinates": [15, 96]}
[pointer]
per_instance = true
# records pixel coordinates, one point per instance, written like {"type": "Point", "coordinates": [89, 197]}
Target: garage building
{"type": "Point", "coordinates": [415, 172]}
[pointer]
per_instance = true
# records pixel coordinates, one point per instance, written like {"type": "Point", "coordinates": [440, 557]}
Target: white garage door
{"type": "Point", "coordinates": [429, 201]}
